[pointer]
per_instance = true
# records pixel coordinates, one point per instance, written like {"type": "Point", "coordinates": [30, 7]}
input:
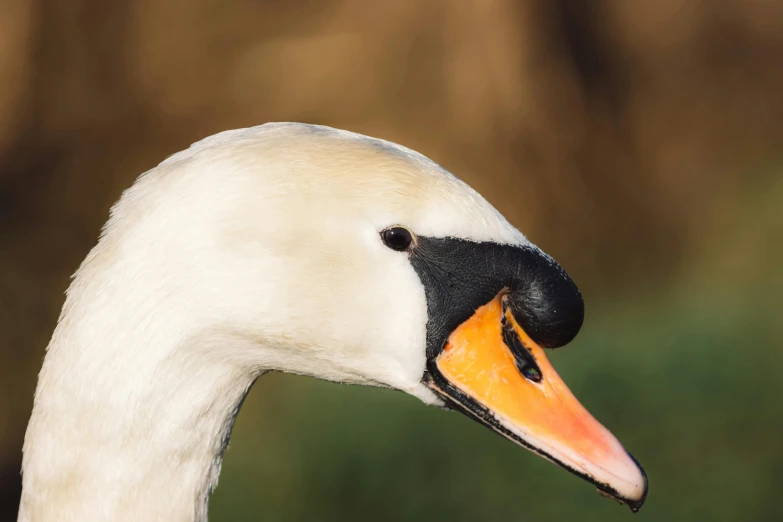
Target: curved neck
{"type": "Point", "coordinates": [132, 414]}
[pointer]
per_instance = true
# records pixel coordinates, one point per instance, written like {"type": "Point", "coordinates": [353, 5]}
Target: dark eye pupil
{"type": "Point", "coordinates": [397, 238]}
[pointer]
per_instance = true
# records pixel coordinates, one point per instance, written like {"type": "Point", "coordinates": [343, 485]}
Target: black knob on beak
{"type": "Point", "coordinates": [546, 302]}
{"type": "Point", "coordinates": [459, 276]}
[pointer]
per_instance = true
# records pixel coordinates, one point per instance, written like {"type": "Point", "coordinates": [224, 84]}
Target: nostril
{"type": "Point", "coordinates": [526, 363]}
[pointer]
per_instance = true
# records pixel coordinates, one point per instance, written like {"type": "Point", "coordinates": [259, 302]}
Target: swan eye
{"type": "Point", "coordinates": [397, 238]}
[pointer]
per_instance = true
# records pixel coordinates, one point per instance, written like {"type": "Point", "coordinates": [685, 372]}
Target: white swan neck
{"type": "Point", "coordinates": [132, 414]}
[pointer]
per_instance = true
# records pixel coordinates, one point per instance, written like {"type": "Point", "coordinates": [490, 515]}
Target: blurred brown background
{"type": "Point", "coordinates": [638, 142]}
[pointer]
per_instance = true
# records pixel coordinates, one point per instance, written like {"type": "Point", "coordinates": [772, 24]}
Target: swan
{"type": "Point", "coordinates": [303, 249]}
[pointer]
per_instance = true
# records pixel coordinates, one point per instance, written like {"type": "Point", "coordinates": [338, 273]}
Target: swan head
{"type": "Point", "coordinates": [309, 250]}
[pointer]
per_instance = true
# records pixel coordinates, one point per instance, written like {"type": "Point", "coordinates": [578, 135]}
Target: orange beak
{"type": "Point", "coordinates": [491, 369]}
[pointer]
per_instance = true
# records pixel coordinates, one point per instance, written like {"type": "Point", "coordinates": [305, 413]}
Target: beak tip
{"type": "Point", "coordinates": [637, 495]}
{"type": "Point", "coordinates": [631, 492]}
{"type": "Point", "coordinates": [636, 504]}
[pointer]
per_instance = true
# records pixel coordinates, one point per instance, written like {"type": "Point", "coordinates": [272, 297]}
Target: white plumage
{"type": "Point", "coordinates": [253, 250]}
